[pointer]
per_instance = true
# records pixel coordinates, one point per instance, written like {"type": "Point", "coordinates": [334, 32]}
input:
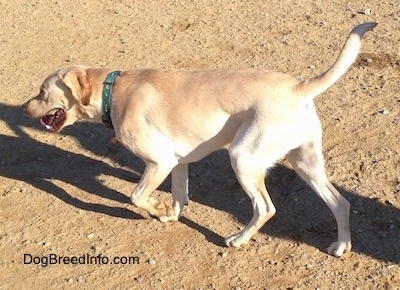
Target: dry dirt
{"type": "Point", "coordinates": [67, 194]}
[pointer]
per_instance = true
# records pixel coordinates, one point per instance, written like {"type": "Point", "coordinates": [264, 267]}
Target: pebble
{"type": "Point", "coordinates": [367, 11]}
{"type": "Point", "coordinates": [90, 236]}
{"type": "Point", "coordinates": [385, 112]}
{"type": "Point", "coordinates": [222, 254]}
{"type": "Point", "coordinates": [242, 200]}
{"type": "Point", "coordinates": [138, 279]}
{"type": "Point", "coordinates": [80, 280]}
{"type": "Point", "coordinates": [388, 202]}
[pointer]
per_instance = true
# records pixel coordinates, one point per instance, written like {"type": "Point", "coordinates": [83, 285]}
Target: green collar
{"type": "Point", "coordinates": [107, 94]}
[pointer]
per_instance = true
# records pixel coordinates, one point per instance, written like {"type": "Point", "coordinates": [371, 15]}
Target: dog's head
{"type": "Point", "coordinates": [64, 98]}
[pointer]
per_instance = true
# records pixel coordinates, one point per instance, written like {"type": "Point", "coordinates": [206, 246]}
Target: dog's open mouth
{"type": "Point", "coordinates": [53, 120]}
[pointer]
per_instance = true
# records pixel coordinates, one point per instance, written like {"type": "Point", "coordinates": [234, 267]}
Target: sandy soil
{"type": "Point", "coordinates": [67, 195]}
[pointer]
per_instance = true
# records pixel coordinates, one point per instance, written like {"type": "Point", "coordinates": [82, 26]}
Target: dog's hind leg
{"type": "Point", "coordinates": [308, 162]}
{"type": "Point", "coordinates": [251, 178]}
{"type": "Point", "coordinates": [179, 176]}
{"type": "Point", "coordinates": [250, 164]}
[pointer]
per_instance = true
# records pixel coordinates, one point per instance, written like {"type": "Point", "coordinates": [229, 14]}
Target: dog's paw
{"type": "Point", "coordinates": [236, 241]}
{"type": "Point", "coordinates": [171, 218]}
{"type": "Point", "coordinates": [164, 210]}
{"type": "Point", "coordinates": [156, 209]}
{"type": "Point", "coordinates": [338, 248]}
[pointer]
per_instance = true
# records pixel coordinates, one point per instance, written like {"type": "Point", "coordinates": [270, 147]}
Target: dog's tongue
{"type": "Point", "coordinates": [47, 120]}
{"type": "Point", "coordinates": [52, 121]}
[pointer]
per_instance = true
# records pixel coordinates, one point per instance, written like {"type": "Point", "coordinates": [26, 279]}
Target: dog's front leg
{"type": "Point", "coordinates": [179, 176]}
{"type": "Point", "coordinates": [152, 177]}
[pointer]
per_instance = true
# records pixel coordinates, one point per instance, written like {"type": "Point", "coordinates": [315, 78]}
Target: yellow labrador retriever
{"type": "Point", "coordinates": [171, 118]}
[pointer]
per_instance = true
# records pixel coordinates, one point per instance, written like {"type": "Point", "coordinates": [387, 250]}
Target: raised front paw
{"type": "Point", "coordinates": [164, 210]}
{"type": "Point", "coordinates": [156, 208]}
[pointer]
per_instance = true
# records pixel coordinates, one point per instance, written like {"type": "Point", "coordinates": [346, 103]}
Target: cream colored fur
{"type": "Point", "coordinates": [171, 118]}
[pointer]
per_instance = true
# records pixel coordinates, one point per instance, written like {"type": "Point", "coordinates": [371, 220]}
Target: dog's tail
{"type": "Point", "coordinates": [313, 87]}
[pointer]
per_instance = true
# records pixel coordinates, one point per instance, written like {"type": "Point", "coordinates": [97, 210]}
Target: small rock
{"type": "Point", "coordinates": [242, 200]}
{"type": "Point", "coordinates": [367, 11]}
{"type": "Point", "coordinates": [90, 236]}
{"type": "Point", "coordinates": [222, 254]}
{"type": "Point", "coordinates": [388, 202]}
{"type": "Point", "coordinates": [385, 112]}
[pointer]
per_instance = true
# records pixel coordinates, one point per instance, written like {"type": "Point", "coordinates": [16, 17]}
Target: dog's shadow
{"type": "Point", "coordinates": [301, 215]}
{"type": "Point", "coordinates": [40, 164]}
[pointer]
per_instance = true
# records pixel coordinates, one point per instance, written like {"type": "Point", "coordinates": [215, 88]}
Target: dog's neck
{"type": "Point", "coordinates": [97, 77]}
{"type": "Point", "coordinates": [107, 96]}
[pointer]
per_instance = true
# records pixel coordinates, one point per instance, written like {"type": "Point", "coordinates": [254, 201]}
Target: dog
{"type": "Point", "coordinates": [170, 118]}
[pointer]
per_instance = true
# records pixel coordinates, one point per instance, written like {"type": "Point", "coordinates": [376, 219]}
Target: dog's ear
{"type": "Point", "coordinates": [80, 85]}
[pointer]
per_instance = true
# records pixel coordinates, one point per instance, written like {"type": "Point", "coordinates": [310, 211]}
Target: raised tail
{"type": "Point", "coordinates": [313, 87]}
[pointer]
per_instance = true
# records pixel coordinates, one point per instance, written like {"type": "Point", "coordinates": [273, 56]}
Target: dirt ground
{"type": "Point", "coordinates": [64, 198]}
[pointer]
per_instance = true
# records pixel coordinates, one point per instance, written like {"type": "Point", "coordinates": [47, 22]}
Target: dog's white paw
{"type": "Point", "coordinates": [236, 241]}
{"type": "Point", "coordinates": [338, 248]}
{"type": "Point", "coordinates": [165, 219]}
